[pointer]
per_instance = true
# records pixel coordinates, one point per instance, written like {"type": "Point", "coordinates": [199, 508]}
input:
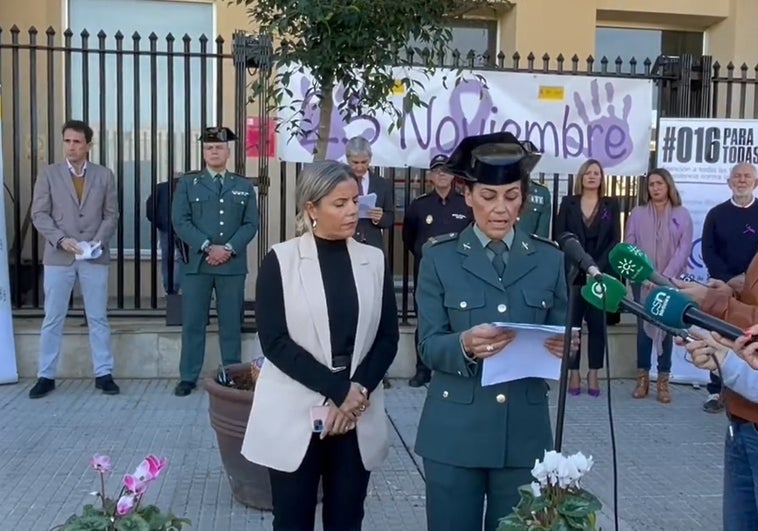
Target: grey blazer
{"type": "Point", "coordinates": [373, 234]}
{"type": "Point", "coordinates": [56, 212]}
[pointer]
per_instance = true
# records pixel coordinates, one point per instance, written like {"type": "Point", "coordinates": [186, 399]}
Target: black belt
{"type": "Point", "coordinates": [340, 363]}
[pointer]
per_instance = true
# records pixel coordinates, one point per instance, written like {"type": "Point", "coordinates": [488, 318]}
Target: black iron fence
{"type": "Point", "coordinates": [148, 98]}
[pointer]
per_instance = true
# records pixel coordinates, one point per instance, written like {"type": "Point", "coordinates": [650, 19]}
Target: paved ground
{"type": "Point", "coordinates": [669, 457]}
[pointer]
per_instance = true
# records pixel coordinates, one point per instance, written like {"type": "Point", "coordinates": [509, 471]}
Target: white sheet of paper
{"type": "Point", "coordinates": [90, 251]}
{"type": "Point", "coordinates": [525, 357]}
{"type": "Point", "coordinates": [366, 203]}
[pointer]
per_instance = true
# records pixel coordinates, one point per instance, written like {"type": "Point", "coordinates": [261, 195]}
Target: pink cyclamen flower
{"type": "Point", "coordinates": [101, 463]}
{"type": "Point", "coordinates": [150, 468]}
{"type": "Point", "coordinates": [134, 484]}
{"type": "Point", "coordinates": [125, 504]}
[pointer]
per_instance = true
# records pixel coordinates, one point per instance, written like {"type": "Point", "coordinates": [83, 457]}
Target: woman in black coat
{"type": "Point", "coordinates": [595, 219]}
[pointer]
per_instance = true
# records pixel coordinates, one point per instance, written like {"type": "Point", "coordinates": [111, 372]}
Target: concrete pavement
{"type": "Point", "coordinates": [669, 457]}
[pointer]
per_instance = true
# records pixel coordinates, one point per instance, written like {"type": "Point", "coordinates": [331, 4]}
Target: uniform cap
{"type": "Point", "coordinates": [217, 134]}
{"type": "Point", "coordinates": [494, 159]}
{"type": "Point", "coordinates": [438, 160]}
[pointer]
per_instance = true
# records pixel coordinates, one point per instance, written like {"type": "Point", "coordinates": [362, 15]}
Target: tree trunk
{"type": "Point", "coordinates": [324, 122]}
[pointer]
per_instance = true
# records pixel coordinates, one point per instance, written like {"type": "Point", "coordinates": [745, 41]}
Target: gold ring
{"type": "Point", "coordinates": [362, 408]}
{"type": "Point", "coordinates": [489, 348]}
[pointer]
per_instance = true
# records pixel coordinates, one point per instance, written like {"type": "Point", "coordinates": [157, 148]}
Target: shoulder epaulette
{"type": "Point", "coordinates": [544, 240]}
{"type": "Point", "coordinates": [442, 238]}
{"type": "Point", "coordinates": [192, 173]}
{"type": "Point", "coordinates": [537, 183]}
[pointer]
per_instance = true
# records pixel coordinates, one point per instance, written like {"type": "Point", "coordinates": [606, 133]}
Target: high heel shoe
{"type": "Point", "coordinates": [575, 384]}
{"type": "Point", "coordinates": [593, 391]}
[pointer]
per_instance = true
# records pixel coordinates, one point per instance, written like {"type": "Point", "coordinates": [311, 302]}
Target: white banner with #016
{"type": "Point", "coordinates": [700, 153]}
{"type": "Point", "coordinates": [568, 118]}
{"type": "Point", "coordinates": [8, 368]}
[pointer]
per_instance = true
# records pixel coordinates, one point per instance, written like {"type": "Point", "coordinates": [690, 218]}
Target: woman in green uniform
{"type": "Point", "coordinates": [480, 442]}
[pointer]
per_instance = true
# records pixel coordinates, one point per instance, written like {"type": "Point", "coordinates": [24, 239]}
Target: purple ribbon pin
{"type": "Point", "coordinates": [748, 229]}
{"type": "Point", "coordinates": [604, 214]}
{"type": "Point", "coordinates": [675, 222]}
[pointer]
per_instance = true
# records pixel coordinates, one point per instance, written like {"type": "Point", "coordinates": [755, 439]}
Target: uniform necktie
{"type": "Point", "coordinates": [219, 182]}
{"type": "Point", "coordinates": [499, 248]}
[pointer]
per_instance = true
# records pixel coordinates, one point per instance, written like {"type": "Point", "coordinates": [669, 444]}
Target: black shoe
{"type": "Point", "coordinates": [184, 388]}
{"type": "Point", "coordinates": [419, 379]}
{"type": "Point", "coordinates": [107, 385]}
{"type": "Point", "coordinates": [42, 387]}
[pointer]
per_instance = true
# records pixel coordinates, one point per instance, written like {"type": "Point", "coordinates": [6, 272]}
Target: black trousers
{"type": "Point", "coordinates": [595, 319]}
{"type": "Point", "coordinates": [336, 462]}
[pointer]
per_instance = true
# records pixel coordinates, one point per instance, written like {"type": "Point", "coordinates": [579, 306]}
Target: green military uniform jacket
{"type": "Point", "coordinates": [464, 424]}
{"type": "Point", "coordinates": [537, 211]}
{"type": "Point", "coordinates": [201, 213]}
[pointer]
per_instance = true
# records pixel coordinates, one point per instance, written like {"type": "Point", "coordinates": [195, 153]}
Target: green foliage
{"type": "Point", "coordinates": [147, 518]}
{"type": "Point", "coordinates": [353, 45]}
{"type": "Point", "coordinates": [555, 510]}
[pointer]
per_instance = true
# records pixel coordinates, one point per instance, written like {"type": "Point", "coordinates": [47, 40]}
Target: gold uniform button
{"type": "Point", "coordinates": [220, 222]}
{"type": "Point", "coordinates": [220, 200]}
{"type": "Point", "coordinates": [500, 399]}
{"type": "Point", "coordinates": [445, 394]}
{"type": "Point", "coordinates": [501, 308]}
{"type": "Point", "coordinates": [220, 233]}
{"type": "Point", "coordinates": [463, 304]}
{"type": "Point", "coordinates": [543, 304]}
{"type": "Point", "coordinates": [220, 211]}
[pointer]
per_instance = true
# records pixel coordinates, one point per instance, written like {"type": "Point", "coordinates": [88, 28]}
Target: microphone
{"type": "Point", "coordinates": [674, 309]}
{"type": "Point", "coordinates": [569, 244]}
{"type": "Point", "coordinates": [633, 264]}
{"type": "Point", "coordinates": [615, 299]}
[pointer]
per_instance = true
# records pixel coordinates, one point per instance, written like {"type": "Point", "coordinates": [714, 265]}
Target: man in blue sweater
{"type": "Point", "coordinates": [730, 240]}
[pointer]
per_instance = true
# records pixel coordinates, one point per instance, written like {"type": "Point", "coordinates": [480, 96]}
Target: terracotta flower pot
{"type": "Point", "coordinates": [229, 410]}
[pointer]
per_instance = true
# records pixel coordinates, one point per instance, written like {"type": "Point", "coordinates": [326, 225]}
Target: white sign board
{"type": "Point", "coordinates": [700, 153]}
{"type": "Point", "coordinates": [569, 118]}
{"type": "Point", "coordinates": [8, 369]}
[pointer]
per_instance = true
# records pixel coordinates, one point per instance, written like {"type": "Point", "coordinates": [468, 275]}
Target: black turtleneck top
{"type": "Point", "coordinates": [342, 307]}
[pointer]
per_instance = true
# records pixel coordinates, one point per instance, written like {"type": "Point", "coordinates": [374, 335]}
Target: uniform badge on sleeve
{"type": "Point", "coordinates": [429, 219]}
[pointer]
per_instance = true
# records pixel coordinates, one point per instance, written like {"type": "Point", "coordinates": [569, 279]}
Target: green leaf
{"type": "Point", "coordinates": [579, 505]}
{"type": "Point", "coordinates": [87, 523]}
{"type": "Point", "coordinates": [133, 522]}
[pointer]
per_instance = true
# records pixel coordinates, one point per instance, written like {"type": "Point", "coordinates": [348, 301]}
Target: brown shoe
{"type": "Point", "coordinates": [664, 395]}
{"type": "Point", "coordinates": [643, 384]}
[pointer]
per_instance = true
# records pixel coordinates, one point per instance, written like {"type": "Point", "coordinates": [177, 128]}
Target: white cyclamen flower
{"type": "Point", "coordinates": [581, 462]}
{"type": "Point", "coordinates": [539, 472]}
{"type": "Point", "coordinates": [568, 474]}
{"type": "Point", "coordinates": [536, 489]}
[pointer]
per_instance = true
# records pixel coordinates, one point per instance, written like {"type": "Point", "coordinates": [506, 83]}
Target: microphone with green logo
{"type": "Point", "coordinates": [615, 300]}
{"type": "Point", "coordinates": [633, 264]}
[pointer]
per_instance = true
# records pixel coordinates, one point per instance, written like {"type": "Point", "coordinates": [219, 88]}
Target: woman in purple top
{"type": "Point", "coordinates": [662, 228]}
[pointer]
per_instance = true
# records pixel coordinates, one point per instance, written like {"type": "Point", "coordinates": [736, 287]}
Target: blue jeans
{"type": "Point", "coordinates": [59, 281]}
{"type": "Point", "coordinates": [167, 256]}
{"type": "Point", "coordinates": [645, 343]}
{"type": "Point", "coordinates": [740, 498]}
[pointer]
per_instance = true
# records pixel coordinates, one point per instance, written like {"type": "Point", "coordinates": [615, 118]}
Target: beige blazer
{"type": "Point", "coordinates": [57, 213]}
{"type": "Point", "coordinates": [279, 429]}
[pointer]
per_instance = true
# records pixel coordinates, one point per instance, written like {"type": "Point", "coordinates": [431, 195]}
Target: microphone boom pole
{"type": "Point", "coordinates": [567, 359]}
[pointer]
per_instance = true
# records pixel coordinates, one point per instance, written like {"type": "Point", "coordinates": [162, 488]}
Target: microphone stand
{"type": "Point", "coordinates": [568, 357]}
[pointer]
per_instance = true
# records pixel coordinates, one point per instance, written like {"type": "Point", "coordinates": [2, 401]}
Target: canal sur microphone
{"type": "Point", "coordinates": [633, 264]}
{"type": "Point", "coordinates": [615, 300]}
{"type": "Point", "coordinates": [674, 309]}
{"type": "Point", "coordinates": [569, 244]}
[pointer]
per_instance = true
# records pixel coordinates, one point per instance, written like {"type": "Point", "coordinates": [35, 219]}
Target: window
{"type": "Point", "coordinates": [467, 35]}
{"type": "Point", "coordinates": [143, 17]}
{"type": "Point", "coordinates": [641, 44]}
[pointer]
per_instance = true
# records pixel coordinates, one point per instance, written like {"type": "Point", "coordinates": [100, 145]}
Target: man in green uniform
{"type": "Point", "coordinates": [535, 217]}
{"type": "Point", "coordinates": [215, 215]}
{"type": "Point", "coordinates": [479, 440]}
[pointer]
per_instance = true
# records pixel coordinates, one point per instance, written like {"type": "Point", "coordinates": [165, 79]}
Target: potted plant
{"type": "Point", "coordinates": [556, 500]}
{"type": "Point", "coordinates": [125, 511]}
{"type": "Point", "coordinates": [230, 397]}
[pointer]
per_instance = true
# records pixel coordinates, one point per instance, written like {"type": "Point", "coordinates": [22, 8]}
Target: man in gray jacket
{"type": "Point", "coordinates": [75, 206]}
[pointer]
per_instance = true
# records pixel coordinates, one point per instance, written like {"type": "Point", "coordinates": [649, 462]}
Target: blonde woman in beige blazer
{"type": "Point", "coordinates": [327, 322]}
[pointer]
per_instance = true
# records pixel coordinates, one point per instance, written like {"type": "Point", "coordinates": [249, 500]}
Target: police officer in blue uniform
{"type": "Point", "coordinates": [215, 214]}
{"type": "Point", "coordinates": [443, 210]}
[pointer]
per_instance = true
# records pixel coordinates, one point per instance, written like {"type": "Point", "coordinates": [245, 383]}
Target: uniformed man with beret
{"type": "Point", "coordinates": [479, 443]}
{"type": "Point", "coordinates": [443, 210]}
{"type": "Point", "coordinates": [535, 218]}
{"type": "Point", "coordinates": [215, 215]}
